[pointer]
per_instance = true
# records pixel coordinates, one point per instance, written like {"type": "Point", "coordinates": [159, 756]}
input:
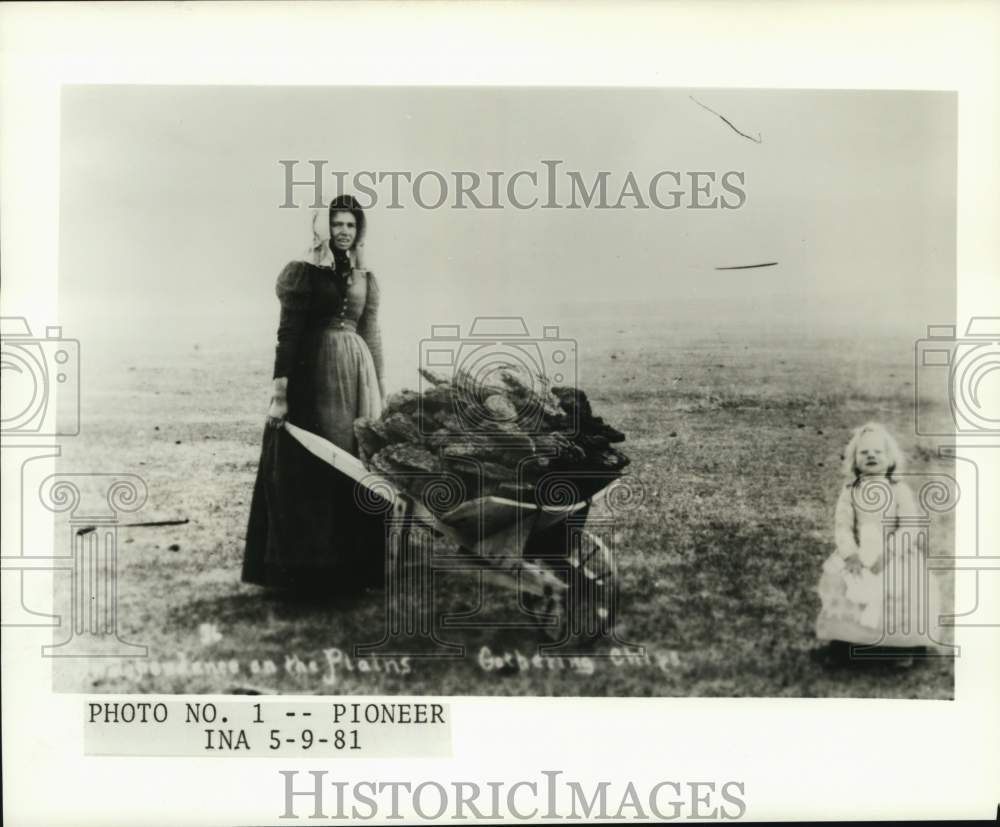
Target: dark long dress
{"type": "Point", "coordinates": [305, 529]}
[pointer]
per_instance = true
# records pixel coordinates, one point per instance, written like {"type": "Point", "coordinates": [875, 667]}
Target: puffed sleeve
{"type": "Point", "coordinates": [843, 525]}
{"type": "Point", "coordinates": [294, 293]}
{"type": "Point", "coordinates": [368, 327]}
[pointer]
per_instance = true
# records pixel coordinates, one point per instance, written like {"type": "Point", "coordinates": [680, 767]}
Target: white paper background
{"type": "Point", "coordinates": [798, 758]}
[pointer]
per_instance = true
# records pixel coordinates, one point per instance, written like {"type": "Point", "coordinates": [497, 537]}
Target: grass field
{"type": "Point", "coordinates": [736, 437]}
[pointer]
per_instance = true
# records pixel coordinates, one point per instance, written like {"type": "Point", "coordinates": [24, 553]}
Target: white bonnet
{"type": "Point", "coordinates": [318, 252]}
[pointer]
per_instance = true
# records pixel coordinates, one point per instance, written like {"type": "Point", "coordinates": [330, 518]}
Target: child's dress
{"type": "Point", "coordinates": [899, 604]}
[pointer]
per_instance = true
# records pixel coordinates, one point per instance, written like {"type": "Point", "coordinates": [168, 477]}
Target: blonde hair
{"type": "Point", "coordinates": [894, 458]}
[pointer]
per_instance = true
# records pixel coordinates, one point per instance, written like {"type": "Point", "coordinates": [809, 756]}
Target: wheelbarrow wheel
{"type": "Point", "coordinates": [584, 563]}
{"type": "Point", "coordinates": [591, 580]}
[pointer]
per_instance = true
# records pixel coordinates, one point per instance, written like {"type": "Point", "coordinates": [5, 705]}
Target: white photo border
{"type": "Point", "coordinates": [829, 759]}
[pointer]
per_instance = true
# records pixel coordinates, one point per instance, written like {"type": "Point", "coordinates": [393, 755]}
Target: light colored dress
{"type": "Point", "coordinates": [346, 381]}
{"type": "Point", "coordinates": [893, 600]}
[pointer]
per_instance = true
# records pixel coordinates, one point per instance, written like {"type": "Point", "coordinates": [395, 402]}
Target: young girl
{"type": "Point", "coordinates": [873, 584]}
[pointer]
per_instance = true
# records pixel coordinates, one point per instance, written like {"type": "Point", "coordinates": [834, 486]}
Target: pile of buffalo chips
{"type": "Point", "coordinates": [509, 435]}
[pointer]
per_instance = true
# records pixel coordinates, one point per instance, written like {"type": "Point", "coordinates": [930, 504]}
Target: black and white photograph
{"type": "Point", "coordinates": [489, 412]}
{"type": "Point", "coordinates": [601, 392]}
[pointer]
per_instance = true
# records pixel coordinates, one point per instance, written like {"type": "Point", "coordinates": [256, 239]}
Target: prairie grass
{"type": "Point", "coordinates": [736, 439]}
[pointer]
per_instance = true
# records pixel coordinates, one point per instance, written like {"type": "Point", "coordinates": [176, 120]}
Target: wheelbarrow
{"type": "Point", "coordinates": [558, 568]}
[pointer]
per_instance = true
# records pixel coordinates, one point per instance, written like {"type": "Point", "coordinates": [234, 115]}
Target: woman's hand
{"type": "Point", "coordinates": [278, 410]}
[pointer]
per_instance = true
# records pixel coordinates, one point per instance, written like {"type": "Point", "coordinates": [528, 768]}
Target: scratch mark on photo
{"type": "Point", "coordinates": [748, 266]}
{"type": "Point", "coordinates": [729, 123]}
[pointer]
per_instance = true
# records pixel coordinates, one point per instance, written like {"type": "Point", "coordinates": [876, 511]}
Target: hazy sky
{"type": "Point", "coordinates": [170, 218]}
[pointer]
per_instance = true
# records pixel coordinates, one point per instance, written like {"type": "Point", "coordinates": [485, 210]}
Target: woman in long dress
{"type": "Point", "coordinates": [306, 529]}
